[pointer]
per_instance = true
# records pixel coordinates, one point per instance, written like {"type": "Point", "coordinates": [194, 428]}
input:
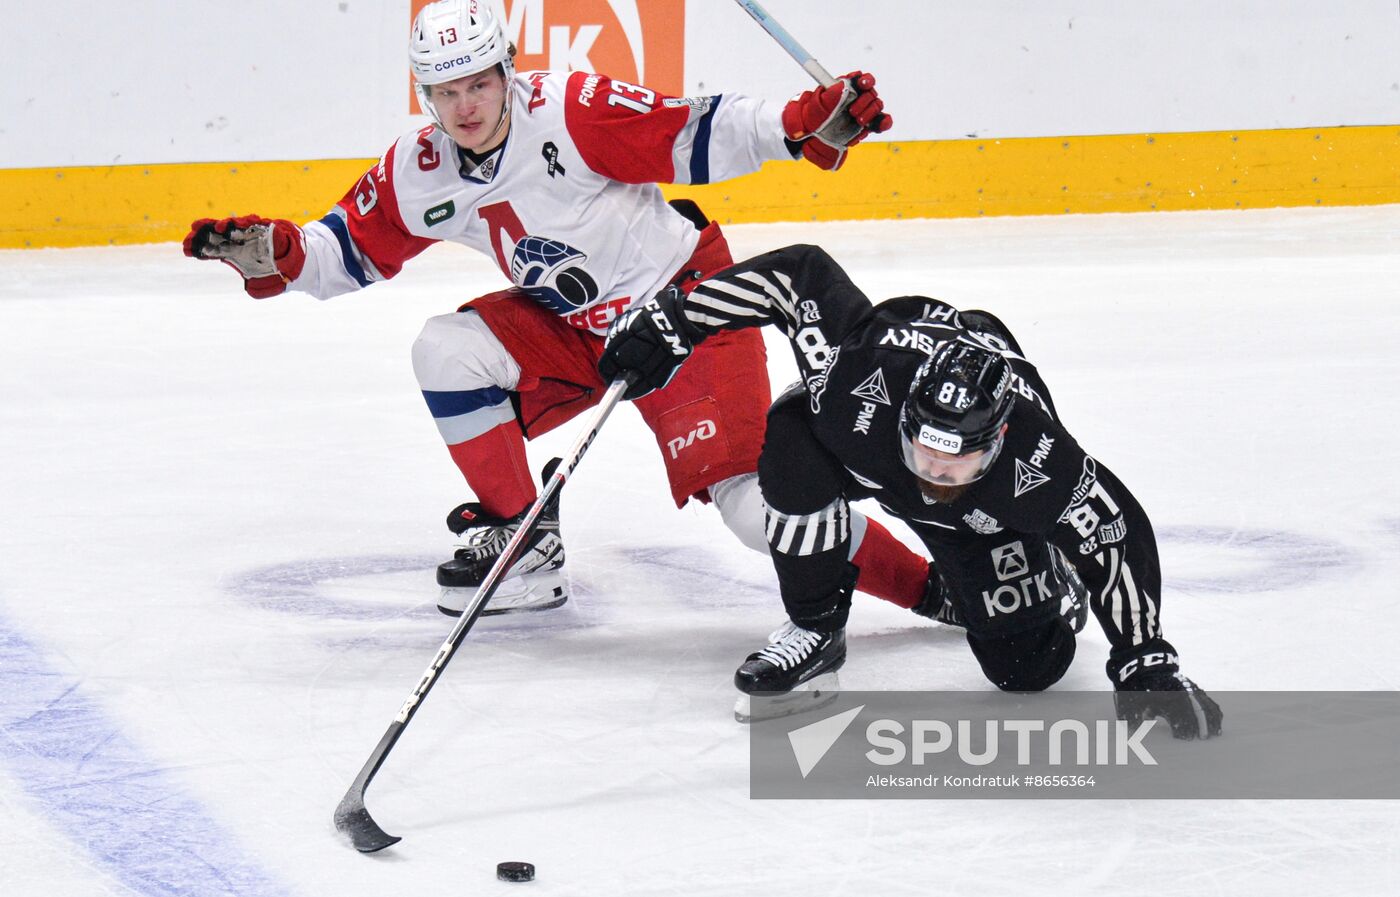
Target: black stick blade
{"type": "Point", "coordinates": [352, 818]}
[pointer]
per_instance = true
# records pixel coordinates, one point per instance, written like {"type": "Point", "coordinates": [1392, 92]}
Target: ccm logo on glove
{"type": "Point", "coordinates": [1155, 659]}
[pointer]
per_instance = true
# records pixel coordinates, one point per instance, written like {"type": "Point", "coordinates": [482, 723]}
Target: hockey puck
{"type": "Point", "coordinates": [515, 871]}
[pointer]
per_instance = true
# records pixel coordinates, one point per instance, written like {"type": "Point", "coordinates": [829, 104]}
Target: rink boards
{"type": "Point", "coordinates": [1346, 166]}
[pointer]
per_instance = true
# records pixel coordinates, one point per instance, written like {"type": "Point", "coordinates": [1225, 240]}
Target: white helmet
{"type": "Point", "coordinates": [453, 39]}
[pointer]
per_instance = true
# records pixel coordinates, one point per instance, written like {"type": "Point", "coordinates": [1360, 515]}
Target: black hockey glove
{"type": "Point", "coordinates": [937, 603]}
{"type": "Point", "coordinates": [1149, 685]}
{"type": "Point", "coordinates": [648, 343]}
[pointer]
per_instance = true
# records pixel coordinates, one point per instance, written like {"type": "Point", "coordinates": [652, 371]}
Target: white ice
{"type": "Point", "coordinates": [219, 518]}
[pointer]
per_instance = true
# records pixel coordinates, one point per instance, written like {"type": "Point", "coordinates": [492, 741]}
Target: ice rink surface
{"type": "Point", "coordinates": [219, 519]}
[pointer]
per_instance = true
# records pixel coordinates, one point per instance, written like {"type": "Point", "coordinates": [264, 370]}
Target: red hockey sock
{"type": "Point", "coordinates": [889, 570]}
{"type": "Point", "coordinates": [497, 470]}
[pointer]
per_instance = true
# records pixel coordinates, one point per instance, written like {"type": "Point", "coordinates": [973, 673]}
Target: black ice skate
{"type": "Point", "coordinates": [794, 673]}
{"type": "Point", "coordinates": [534, 582]}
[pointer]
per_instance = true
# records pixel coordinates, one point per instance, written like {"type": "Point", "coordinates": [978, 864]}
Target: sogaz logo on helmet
{"type": "Point", "coordinates": [452, 63]}
{"type": "Point", "coordinates": [941, 440]}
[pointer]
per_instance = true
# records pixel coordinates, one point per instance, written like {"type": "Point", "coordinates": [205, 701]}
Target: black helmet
{"type": "Point", "coordinates": [957, 403]}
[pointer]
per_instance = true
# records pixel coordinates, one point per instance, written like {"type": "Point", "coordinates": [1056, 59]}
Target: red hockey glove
{"type": "Point", "coordinates": [830, 120]}
{"type": "Point", "coordinates": [268, 254]}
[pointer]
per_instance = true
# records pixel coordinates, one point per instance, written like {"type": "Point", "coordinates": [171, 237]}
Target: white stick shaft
{"type": "Point", "coordinates": [788, 42]}
{"type": "Point", "coordinates": [508, 554]}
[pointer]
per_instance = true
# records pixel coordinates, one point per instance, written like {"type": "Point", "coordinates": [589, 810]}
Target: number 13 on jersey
{"type": "Point", "coordinates": [644, 101]}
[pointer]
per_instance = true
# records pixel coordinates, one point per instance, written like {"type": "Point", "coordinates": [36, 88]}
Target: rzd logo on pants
{"type": "Point", "coordinates": [637, 41]}
{"type": "Point", "coordinates": [704, 430]}
{"type": "Point", "coordinates": [1009, 562]}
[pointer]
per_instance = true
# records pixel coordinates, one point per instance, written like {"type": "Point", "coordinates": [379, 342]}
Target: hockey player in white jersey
{"type": "Point", "coordinates": [553, 175]}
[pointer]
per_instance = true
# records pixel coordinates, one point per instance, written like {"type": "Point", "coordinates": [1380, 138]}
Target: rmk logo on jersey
{"type": "Point", "coordinates": [704, 430]}
{"type": "Point", "coordinates": [552, 273]}
{"type": "Point", "coordinates": [873, 388]}
{"type": "Point", "coordinates": [864, 418]}
{"type": "Point", "coordinates": [1027, 478]}
{"type": "Point", "coordinates": [641, 41]}
{"type": "Point", "coordinates": [1042, 450]}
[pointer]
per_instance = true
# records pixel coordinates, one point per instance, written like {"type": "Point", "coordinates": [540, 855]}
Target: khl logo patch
{"type": "Point", "coordinates": [982, 522]}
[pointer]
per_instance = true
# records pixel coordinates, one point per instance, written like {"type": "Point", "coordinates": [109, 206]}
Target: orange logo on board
{"type": "Point", "coordinates": [637, 41]}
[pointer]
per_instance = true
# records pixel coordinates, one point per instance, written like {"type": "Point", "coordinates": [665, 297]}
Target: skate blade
{"type": "Point", "coordinates": [522, 594]}
{"type": "Point", "coordinates": [813, 694]}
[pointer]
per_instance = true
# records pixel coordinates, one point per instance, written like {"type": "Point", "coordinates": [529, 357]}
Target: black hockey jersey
{"type": "Point", "coordinates": [834, 439]}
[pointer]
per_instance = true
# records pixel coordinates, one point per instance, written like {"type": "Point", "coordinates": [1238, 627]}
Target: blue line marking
{"type": "Point", "coordinates": [98, 788]}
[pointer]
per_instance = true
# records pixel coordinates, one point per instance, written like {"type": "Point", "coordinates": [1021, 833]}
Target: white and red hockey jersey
{"type": "Point", "coordinates": [568, 207]}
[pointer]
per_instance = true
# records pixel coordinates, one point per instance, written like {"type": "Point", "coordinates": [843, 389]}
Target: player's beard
{"type": "Point", "coordinates": [943, 495]}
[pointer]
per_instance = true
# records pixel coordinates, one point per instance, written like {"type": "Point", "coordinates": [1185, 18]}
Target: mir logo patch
{"type": "Point", "coordinates": [439, 214]}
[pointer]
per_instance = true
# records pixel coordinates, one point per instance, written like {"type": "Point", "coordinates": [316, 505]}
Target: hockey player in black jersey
{"type": "Point", "coordinates": [935, 414]}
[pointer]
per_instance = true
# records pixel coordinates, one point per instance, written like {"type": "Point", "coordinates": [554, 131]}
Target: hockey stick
{"type": "Point", "coordinates": [787, 42]}
{"type": "Point", "coordinates": [351, 816]}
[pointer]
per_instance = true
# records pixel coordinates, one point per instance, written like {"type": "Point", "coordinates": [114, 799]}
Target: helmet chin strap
{"type": "Point", "coordinates": [505, 118]}
{"type": "Point", "coordinates": [507, 74]}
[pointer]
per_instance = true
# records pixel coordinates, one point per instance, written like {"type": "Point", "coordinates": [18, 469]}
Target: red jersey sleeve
{"type": "Point", "coordinates": [624, 131]}
{"type": "Point", "coordinates": [371, 231]}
